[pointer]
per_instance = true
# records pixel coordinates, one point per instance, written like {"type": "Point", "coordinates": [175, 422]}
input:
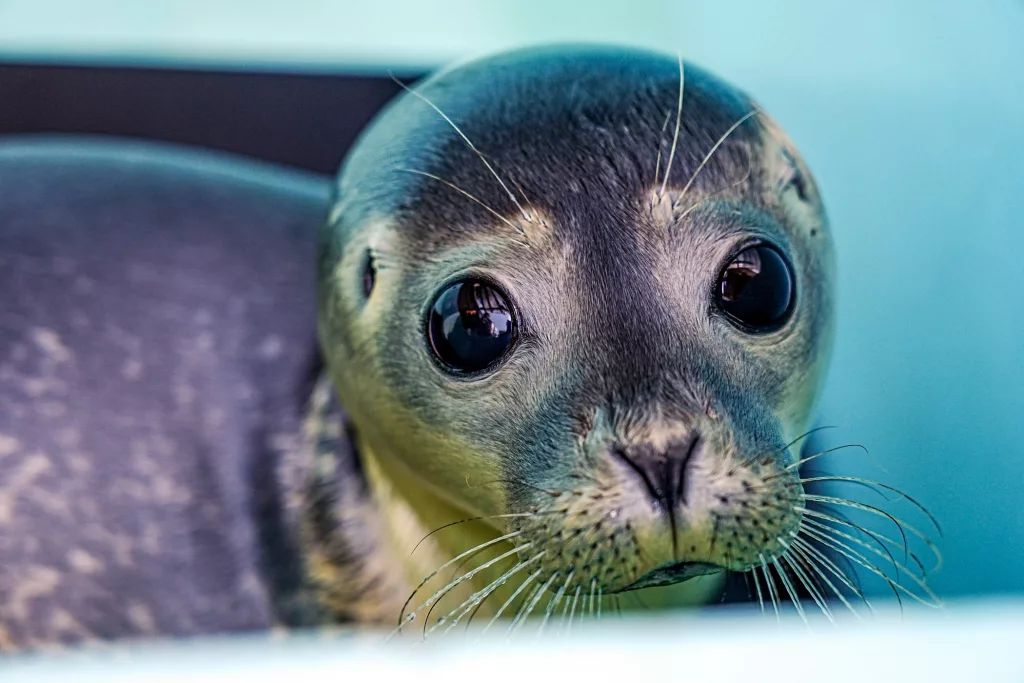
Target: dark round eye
{"type": "Point", "coordinates": [756, 289]}
{"type": "Point", "coordinates": [471, 325]}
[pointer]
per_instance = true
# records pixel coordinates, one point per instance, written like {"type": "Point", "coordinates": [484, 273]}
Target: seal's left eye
{"type": "Point", "coordinates": [756, 289]}
{"type": "Point", "coordinates": [471, 325]}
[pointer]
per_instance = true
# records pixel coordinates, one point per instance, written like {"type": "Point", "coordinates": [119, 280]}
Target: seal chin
{"type": "Point", "coordinates": [671, 574]}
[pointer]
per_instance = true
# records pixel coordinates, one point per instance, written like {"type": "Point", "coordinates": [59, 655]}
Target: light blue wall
{"type": "Point", "coordinates": [911, 115]}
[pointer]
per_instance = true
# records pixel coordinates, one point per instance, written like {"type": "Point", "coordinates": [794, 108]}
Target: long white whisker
{"type": "Point", "coordinates": [471, 551]}
{"type": "Point", "coordinates": [657, 163]}
{"type": "Point", "coordinates": [757, 586]}
{"type": "Point", "coordinates": [820, 454]}
{"type": "Point", "coordinates": [792, 593]}
{"type": "Point", "coordinates": [900, 524]}
{"type": "Point", "coordinates": [835, 570]}
{"type": "Point", "coordinates": [860, 559]}
{"type": "Point", "coordinates": [714, 149]}
{"type": "Point", "coordinates": [523, 615]}
{"type": "Point", "coordinates": [555, 601]}
{"type": "Point", "coordinates": [864, 544]}
{"type": "Point", "coordinates": [482, 594]}
{"type": "Point", "coordinates": [819, 600]}
{"type": "Point", "coordinates": [679, 118]}
{"type": "Point", "coordinates": [835, 535]}
{"type": "Point", "coordinates": [465, 139]}
{"type": "Point", "coordinates": [465, 577]}
{"type": "Point", "coordinates": [770, 583]}
{"type": "Point", "coordinates": [572, 612]}
{"type": "Point", "coordinates": [700, 202]}
{"type": "Point", "coordinates": [887, 487]}
{"type": "Point", "coordinates": [809, 562]}
{"type": "Point", "coordinates": [881, 539]}
{"type": "Point", "coordinates": [511, 599]}
{"type": "Point", "coordinates": [458, 189]}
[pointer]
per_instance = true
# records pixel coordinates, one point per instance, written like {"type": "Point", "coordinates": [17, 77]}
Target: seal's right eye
{"type": "Point", "coordinates": [471, 326]}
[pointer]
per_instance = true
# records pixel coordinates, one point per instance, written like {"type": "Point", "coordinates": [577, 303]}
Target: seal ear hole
{"type": "Point", "coordinates": [799, 183]}
{"type": "Point", "coordinates": [369, 273]}
{"type": "Point", "coordinates": [794, 177]}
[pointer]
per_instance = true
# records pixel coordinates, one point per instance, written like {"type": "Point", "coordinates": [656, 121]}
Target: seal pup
{"type": "Point", "coordinates": [578, 302]}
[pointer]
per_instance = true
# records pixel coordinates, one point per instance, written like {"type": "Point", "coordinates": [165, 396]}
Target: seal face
{"type": "Point", "coordinates": [585, 293]}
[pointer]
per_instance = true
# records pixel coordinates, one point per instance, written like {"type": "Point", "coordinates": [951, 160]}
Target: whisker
{"type": "Point", "coordinates": [572, 611]}
{"type": "Point", "coordinates": [466, 577]}
{"type": "Point", "coordinates": [754, 457]}
{"type": "Point", "coordinates": [826, 562]}
{"type": "Point", "coordinates": [757, 587]}
{"type": "Point", "coordinates": [535, 592]}
{"type": "Point", "coordinates": [900, 524]}
{"type": "Point", "coordinates": [819, 454]}
{"type": "Point", "coordinates": [402, 619]}
{"type": "Point", "coordinates": [565, 612]}
{"type": "Point", "coordinates": [878, 538]}
{"type": "Point", "coordinates": [893, 489]}
{"type": "Point", "coordinates": [791, 593]}
{"type": "Point", "coordinates": [770, 584]}
{"type": "Point", "coordinates": [593, 593]}
{"type": "Point", "coordinates": [809, 515]}
{"type": "Point", "coordinates": [511, 599]}
{"type": "Point", "coordinates": [809, 563]}
{"type": "Point", "coordinates": [657, 164]}
{"type": "Point", "coordinates": [836, 534]}
{"type": "Point", "coordinates": [523, 615]}
{"type": "Point", "coordinates": [522, 193]}
{"type": "Point", "coordinates": [478, 597]}
{"type": "Point", "coordinates": [468, 142]}
{"type": "Point", "coordinates": [714, 149]}
{"type": "Point", "coordinates": [808, 584]}
{"type": "Point", "coordinates": [697, 204]}
{"type": "Point", "coordinates": [679, 119]}
{"type": "Point", "coordinates": [471, 197]}
{"type": "Point", "coordinates": [554, 602]}
{"type": "Point", "coordinates": [829, 545]}
{"type": "Point", "coordinates": [860, 559]}
{"type": "Point", "coordinates": [471, 519]}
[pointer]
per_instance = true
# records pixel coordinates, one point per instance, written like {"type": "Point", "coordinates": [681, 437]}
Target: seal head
{"type": "Point", "coordinates": [586, 293]}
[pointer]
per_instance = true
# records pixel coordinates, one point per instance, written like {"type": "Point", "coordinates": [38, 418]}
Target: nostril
{"type": "Point", "coordinates": [684, 465]}
{"type": "Point", "coordinates": [663, 473]}
{"type": "Point", "coordinates": [648, 477]}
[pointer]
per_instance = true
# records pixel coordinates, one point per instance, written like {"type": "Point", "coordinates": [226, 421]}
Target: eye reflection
{"type": "Point", "coordinates": [471, 325]}
{"type": "Point", "coordinates": [756, 289]}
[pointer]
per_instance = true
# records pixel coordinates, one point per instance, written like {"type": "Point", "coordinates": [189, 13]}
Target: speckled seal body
{"type": "Point", "coordinates": [604, 189]}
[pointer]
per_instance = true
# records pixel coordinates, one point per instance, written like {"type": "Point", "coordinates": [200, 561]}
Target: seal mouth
{"type": "Point", "coordinates": [672, 574]}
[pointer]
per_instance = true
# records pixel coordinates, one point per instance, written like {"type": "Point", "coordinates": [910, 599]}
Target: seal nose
{"type": "Point", "coordinates": [663, 472]}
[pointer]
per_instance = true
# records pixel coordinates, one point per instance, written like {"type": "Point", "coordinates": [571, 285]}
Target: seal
{"type": "Point", "coordinates": [573, 309]}
{"type": "Point", "coordinates": [577, 302]}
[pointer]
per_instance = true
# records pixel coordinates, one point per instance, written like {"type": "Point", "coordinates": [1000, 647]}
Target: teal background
{"type": "Point", "coordinates": [909, 113]}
